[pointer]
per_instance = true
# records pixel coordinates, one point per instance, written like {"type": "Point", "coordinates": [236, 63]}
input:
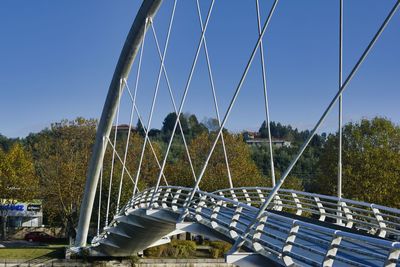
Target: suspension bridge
{"type": "Point", "coordinates": [267, 226]}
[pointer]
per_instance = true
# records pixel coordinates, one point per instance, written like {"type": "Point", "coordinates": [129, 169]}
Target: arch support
{"type": "Point", "coordinates": [131, 47]}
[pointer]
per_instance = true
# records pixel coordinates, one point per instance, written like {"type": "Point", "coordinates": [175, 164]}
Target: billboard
{"type": "Point", "coordinates": [21, 209]}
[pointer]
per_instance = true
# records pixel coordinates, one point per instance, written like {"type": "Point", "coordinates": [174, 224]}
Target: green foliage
{"type": "Point", "coordinates": [183, 248]}
{"type": "Point", "coordinates": [211, 124]}
{"type": "Point", "coordinates": [305, 170]}
{"type": "Point", "coordinates": [169, 123]}
{"type": "Point", "coordinates": [175, 249]}
{"type": "Point", "coordinates": [61, 156]}
{"type": "Point", "coordinates": [18, 180]}
{"type": "Point", "coordinates": [57, 160]}
{"type": "Point", "coordinates": [148, 173]}
{"type": "Point", "coordinates": [195, 127]}
{"type": "Point", "coordinates": [286, 132]}
{"type": "Point", "coordinates": [190, 126]}
{"type": "Point", "coordinates": [219, 248]}
{"type": "Point", "coordinates": [371, 163]}
{"type": "Point", "coordinates": [6, 143]}
{"type": "Point", "coordinates": [243, 170]}
{"type": "Point", "coordinates": [140, 129]}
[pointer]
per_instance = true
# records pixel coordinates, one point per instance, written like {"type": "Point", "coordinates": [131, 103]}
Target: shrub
{"type": "Point", "coordinates": [219, 248]}
{"type": "Point", "coordinates": [183, 248]}
{"type": "Point", "coordinates": [175, 249]}
{"type": "Point", "coordinates": [155, 252]}
{"type": "Point", "coordinates": [134, 259]}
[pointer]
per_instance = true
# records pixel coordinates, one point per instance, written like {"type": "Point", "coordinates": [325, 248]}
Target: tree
{"type": "Point", "coordinates": [169, 123]}
{"type": "Point", "coordinates": [277, 131]}
{"type": "Point", "coordinates": [6, 143]}
{"type": "Point", "coordinates": [211, 124]}
{"type": "Point", "coordinates": [148, 173]}
{"type": "Point", "coordinates": [371, 162]}
{"type": "Point", "coordinates": [282, 158]}
{"type": "Point", "coordinates": [306, 168]}
{"type": "Point", "coordinates": [287, 132]}
{"type": "Point", "coordinates": [139, 128]}
{"type": "Point", "coordinates": [18, 181]}
{"type": "Point", "coordinates": [195, 127]}
{"type": "Point", "coordinates": [244, 171]}
{"type": "Point", "coordinates": [61, 156]}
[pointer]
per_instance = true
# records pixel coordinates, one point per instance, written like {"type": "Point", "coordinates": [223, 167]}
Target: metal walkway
{"type": "Point", "coordinates": [277, 238]}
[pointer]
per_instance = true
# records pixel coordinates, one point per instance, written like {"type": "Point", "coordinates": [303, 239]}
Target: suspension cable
{"type": "Point", "coordinates": [249, 63]}
{"type": "Point", "coordinates": [154, 98]}
{"type": "Point", "coordinates": [145, 131]}
{"type": "Point", "coordinates": [113, 154]}
{"type": "Point", "coordinates": [120, 159]}
{"type": "Point", "coordinates": [210, 75]}
{"type": "Point", "coordinates": [100, 192]}
{"type": "Point", "coordinates": [194, 63]}
{"type": "Point", "coordinates": [131, 117]}
{"type": "Point", "coordinates": [173, 103]}
{"type": "Point", "coordinates": [267, 114]}
{"type": "Point", "coordinates": [339, 185]}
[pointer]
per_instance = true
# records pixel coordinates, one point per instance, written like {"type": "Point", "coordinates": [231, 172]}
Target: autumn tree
{"type": "Point", "coordinates": [61, 156]}
{"type": "Point", "coordinates": [244, 171]}
{"type": "Point", "coordinates": [371, 162]}
{"type": "Point", "coordinates": [113, 170]}
{"type": "Point", "coordinates": [18, 181]}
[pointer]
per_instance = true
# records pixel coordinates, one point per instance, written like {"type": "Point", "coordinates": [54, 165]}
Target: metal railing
{"type": "Point", "coordinates": [275, 236]}
{"type": "Point", "coordinates": [374, 219]}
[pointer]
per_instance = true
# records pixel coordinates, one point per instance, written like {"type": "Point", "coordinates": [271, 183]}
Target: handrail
{"type": "Point", "coordinates": [376, 219]}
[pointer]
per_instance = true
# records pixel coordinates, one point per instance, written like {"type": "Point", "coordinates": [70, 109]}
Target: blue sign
{"type": "Point", "coordinates": [12, 207]}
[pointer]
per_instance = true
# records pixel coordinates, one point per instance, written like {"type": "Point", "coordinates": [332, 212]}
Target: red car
{"type": "Point", "coordinates": [39, 237]}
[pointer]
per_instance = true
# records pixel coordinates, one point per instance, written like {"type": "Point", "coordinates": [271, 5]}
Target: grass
{"type": "Point", "coordinates": [32, 253]}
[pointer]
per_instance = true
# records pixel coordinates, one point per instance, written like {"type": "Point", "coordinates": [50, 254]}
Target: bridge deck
{"type": "Point", "coordinates": [284, 239]}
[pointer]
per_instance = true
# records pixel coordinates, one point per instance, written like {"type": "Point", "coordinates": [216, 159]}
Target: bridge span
{"type": "Point", "coordinates": [303, 235]}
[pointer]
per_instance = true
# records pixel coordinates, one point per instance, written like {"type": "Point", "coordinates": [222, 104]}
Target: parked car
{"type": "Point", "coordinates": [39, 237]}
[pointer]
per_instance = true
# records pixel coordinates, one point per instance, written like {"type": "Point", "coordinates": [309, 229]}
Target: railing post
{"type": "Point", "coordinates": [393, 256]}
{"type": "Point", "coordinates": [322, 213]}
{"type": "Point", "coordinates": [199, 208]}
{"type": "Point", "coordinates": [155, 197]}
{"type": "Point", "coordinates": [258, 233]}
{"type": "Point", "coordinates": [298, 204]}
{"type": "Point", "coordinates": [260, 195]}
{"type": "Point", "coordinates": [348, 214]}
{"type": "Point", "coordinates": [222, 195]}
{"type": "Point", "coordinates": [332, 251]}
{"type": "Point", "coordinates": [380, 220]}
{"type": "Point", "coordinates": [144, 199]}
{"type": "Point", "coordinates": [277, 203]}
{"type": "Point", "coordinates": [174, 207]}
{"type": "Point", "coordinates": [165, 198]}
{"type": "Point", "coordinates": [246, 196]}
{"type": "Point", "coordinates": [214, 215]}
{"type": "Point", "coordinates": [234, 197]}
{"type": "Point", "coordinates": [149, 198]}
{"type": "Point", "coordinates": [287, 247]}
{"type": "Point", "coordinates": [235, 219]}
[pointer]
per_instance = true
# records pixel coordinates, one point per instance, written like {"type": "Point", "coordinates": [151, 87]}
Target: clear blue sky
{"type": "Point", "coordinates": [57, 60]}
